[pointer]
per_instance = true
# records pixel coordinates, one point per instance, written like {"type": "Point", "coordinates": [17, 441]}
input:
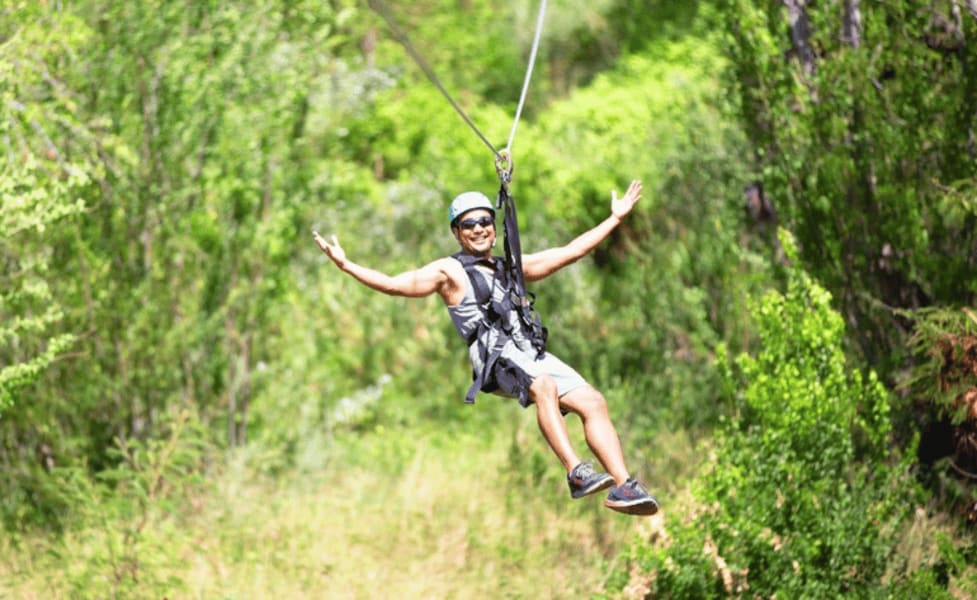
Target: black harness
{"type": "Point", "coordinates": [507, 272]}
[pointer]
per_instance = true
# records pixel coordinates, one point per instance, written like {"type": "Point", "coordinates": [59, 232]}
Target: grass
{"type": "Point", "coordinates": [449, 512]}
{"type": "Point", "coordinates": [390, 513]}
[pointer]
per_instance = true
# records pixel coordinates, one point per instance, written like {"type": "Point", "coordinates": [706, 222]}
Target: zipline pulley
{"type": "Point", "coordinates": [503, 168]}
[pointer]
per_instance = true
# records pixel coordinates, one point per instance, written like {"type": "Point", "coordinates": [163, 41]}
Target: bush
{"type": "Point", "coordinates": [123, 528]}
{"type": "Point", "coordinates": [799, 500]}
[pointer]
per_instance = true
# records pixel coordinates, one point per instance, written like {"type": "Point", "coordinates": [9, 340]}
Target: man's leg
{"type": "Point", "coordinates": [551, 423]}
{"type": "Point", "coordinates": [627, 495]}
{"type": "Point", "coordinates": [599, 432]}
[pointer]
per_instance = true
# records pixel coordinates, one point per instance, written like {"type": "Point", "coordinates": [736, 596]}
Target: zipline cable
{"type": "Point", "coordinates": [381, 8]}
{"type": "Point", "coordinates": [529, 73]}
{"type": "Point", "coordinates": [502, 158]}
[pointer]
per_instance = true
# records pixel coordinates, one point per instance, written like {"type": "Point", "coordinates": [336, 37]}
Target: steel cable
{"type": "Point", "coordinates": [381, 8]}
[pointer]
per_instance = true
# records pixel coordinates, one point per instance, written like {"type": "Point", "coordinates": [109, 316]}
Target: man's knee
{"type": "Point", "coordinates": [543, 389]}
{"type": "Point", "coordinates": [586, 401]}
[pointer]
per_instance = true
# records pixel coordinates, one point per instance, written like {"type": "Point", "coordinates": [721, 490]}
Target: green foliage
{"type": "Point", "coordinates": [41, 185]}
{"type": "Point", "coordinates": [867, 152]}
{"type": "Point", "coordinates": [164, 163]}
{"type": "Point", "coordinates": [476, 47]}
{"type": "Point", "coordinates": [944, 343]}
{"type": "Point", "coordinates": [787, 458]}
{"type": "Point", "coordinates": [123, 533]}
{"type": "Point", "coordinates": [50, 163]}
{"type": "Point", "coordinates": [661, 100]}
{"type": "Point", "coordinates": [940, 392]}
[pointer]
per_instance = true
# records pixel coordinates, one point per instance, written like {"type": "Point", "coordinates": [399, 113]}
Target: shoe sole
{"type": "Point", "coordinates": [597, 487]}
{"type": "Point", "coordinates": [644, 508]}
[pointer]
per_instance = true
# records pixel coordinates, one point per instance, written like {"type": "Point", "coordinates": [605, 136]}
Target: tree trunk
{"type": "Point", "coordinates": [800, 30]}
{"type": "Point", "coordinates": [230, 332]}
{"type": "Point", "coordinates": [852, 24]}
{"type": "Point", "coordinates": [245, 383]}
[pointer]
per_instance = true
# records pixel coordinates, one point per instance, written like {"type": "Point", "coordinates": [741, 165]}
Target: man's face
{"type": "Point", "coordinates": [475, 231]}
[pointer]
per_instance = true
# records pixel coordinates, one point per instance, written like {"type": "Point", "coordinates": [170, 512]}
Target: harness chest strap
{"type": "Point", "coordinates": [492, 313]}
{"type": "Point", "coordinates": [512, 266]}
{"type": "Point", "coordinates": [496, 314]}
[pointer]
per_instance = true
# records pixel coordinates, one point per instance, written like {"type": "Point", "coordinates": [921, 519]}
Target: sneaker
{"type": "Point", "coordinates": [585, 480]}
{"type": "Point", "coordinates": [632, 499]}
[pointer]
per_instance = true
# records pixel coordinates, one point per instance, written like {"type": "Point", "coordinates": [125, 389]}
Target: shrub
{"type": "Point", "coordinates": [799, 499]}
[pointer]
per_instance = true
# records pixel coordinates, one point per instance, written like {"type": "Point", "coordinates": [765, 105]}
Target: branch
{"type": "Point", "coordinates": [800, 29]}
{"type": "Point", "coordinates": [871, 69]}
{"type": "Point", "coordinates": [852, 23]}
{"type": "Point", "coordinates": [52, 150]}
{"type": "Point", "coordinates": [962, 472]}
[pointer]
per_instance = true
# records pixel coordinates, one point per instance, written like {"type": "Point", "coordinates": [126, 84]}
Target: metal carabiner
{"type": "Point", "coordinates": [504, 166]}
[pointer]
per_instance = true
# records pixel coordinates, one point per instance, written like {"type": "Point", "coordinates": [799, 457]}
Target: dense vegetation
{"type": "Point", "coordinates": [194, 402]}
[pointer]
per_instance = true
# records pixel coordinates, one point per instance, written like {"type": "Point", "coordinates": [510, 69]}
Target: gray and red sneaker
{"type": "Point", "coordinates": [584, 480]}
{"type": "Point", "coordinates": [631, 498]}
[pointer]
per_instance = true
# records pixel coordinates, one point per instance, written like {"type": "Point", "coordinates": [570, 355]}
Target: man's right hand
{"type": "Point", "coordinates": [333, 250]}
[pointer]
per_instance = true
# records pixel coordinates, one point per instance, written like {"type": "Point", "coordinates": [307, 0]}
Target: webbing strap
{"type": "Point", "coordinates": [483, 291]}
{"type": "Point", "coordinates": [480, 379]}
{"type": "Point", "coordinates": [493, 318]}
{"type": "Point", "coordinates": [523, 300]}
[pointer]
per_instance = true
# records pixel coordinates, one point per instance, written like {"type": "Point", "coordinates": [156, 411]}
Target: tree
{"type": "Point", "coordinates": [863, 124]}
{"type": "Point", "coordinates": [807, 437]}
{"type": "Point", "coordinates": [52, 159]}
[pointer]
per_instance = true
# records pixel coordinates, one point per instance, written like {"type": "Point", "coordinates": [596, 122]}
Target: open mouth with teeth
{"type": "Point", "coordinates": [481, 243]}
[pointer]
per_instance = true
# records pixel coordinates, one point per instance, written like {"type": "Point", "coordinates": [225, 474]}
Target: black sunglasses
{"type": "Point", "coordinates": [471, 223]}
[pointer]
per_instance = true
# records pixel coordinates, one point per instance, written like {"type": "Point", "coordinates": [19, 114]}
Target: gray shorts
{"type": "Point", "coordinates": [567, 379]}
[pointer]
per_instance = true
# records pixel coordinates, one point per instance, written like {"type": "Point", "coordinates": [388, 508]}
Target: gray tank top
{"type": "Point", "coordinates": [466, 315]}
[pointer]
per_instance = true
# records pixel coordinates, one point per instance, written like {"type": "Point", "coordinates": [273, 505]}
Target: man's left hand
{"type": "Point", "coordinates": [620, 207]}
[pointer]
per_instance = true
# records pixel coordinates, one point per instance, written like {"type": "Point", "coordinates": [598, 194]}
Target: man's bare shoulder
{"type": "Point", "coordinates": [455, 276]}
{"type": "Point", "coordinates": [450, 266]}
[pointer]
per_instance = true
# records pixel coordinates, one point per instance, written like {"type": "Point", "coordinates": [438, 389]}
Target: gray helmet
{"type": "Point", "coordinates": [468, 201]}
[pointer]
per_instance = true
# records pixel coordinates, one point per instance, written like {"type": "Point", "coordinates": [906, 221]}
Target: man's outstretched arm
{"type": "Point", "coordinates": [538, 265]}
{"type": "Point", "coordinates": [416, 283]}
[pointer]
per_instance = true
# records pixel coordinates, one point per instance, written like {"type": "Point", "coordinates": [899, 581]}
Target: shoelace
{"type": "Point", "coordinates": [584, 470]}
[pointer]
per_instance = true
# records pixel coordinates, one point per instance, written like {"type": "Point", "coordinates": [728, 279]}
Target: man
{"type": "Point", "coordinates": [520, 371]}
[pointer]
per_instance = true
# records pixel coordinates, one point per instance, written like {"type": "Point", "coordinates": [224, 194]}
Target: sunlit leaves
{"type": "Point", "coordinates": [49, 162]}
{"type": "Point", "coordinates": [788, 508]}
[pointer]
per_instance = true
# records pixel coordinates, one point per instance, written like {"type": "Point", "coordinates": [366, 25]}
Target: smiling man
{"type": "Point", "coordinates": [500, 344]}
